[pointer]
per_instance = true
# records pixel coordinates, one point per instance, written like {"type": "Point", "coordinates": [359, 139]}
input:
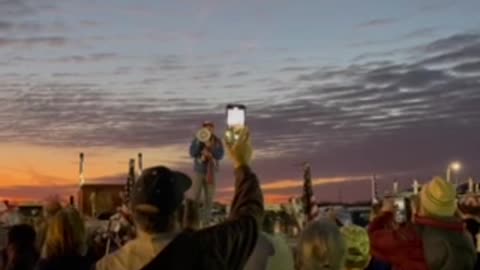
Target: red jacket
{"type": "Point", "coordinates": [403, 247]}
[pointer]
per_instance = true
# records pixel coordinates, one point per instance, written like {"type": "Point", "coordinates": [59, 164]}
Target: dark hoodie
{"type": "Point", "coordinates": [473, 226]}
{"type": "Point", "coordinates": [64, 263]}
{"type": "Point", "coordinates": [429, 244]}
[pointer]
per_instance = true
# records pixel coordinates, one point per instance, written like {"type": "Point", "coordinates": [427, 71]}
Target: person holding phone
{"type": "Point", "coordinates": [436, 239]}
{"type": "Point", "coordinates": [207, 150]}
{"type": "Point", "coordinates": [161, 244]}
{"type": "Point", "coordinates": [235, 121]}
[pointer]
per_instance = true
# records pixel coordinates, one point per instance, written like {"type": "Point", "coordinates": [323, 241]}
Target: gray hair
{"type": "Point", "coordinates": [321, 247]}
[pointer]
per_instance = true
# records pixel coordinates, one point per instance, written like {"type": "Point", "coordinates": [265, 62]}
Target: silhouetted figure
{"type": "Point", "coordinates": [20, 253]}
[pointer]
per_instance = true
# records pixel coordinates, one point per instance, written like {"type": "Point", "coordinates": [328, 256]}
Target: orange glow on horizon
{"type": "Point", "coordinates": [290, 184]}
{"type": "Point", "coordinates": [30, 172]}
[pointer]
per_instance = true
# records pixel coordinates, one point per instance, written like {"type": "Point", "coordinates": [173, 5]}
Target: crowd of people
{"type": "Point", "coordinates": [169, 232]}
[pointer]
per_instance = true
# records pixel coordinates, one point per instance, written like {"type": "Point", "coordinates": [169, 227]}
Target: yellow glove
{"type": "Point", "coordinates": [240, 151]}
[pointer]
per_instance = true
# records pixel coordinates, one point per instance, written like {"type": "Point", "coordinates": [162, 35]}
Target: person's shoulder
{"type": "Point", "coordinates": [118, 257]}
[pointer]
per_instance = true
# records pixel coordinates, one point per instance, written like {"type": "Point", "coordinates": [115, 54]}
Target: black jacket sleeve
{"type": "Point", "coordinates": [231, 243]}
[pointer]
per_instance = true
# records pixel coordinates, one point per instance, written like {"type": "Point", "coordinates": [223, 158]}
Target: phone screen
{"type": "Point", "coordinates": [236, 116]}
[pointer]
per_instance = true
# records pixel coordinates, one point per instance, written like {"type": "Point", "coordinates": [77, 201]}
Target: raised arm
{"type": "Point", "coordinates": [248, 198]}
{"type": "Point", "coordinates": [231, 243]}
{"type": "Point", "coordinates": [234, 240]}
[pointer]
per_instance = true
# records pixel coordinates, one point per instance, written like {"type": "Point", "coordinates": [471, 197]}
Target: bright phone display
{"type": "Point", "coordinates": [236, 115]}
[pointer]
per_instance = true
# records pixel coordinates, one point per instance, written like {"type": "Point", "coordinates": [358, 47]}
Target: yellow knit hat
{"type": "Point", "coordinates": [358, 247]}
{"type": "Point", "coordinates": [438, 198]}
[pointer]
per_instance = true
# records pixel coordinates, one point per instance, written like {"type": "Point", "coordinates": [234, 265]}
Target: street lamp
{"type": "Point", "coordinates": [453, 167]}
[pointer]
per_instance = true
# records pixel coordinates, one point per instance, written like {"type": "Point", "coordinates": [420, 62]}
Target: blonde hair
{"type": "Point", "coordinates": [79, 229]}
{"type": "Point", "coordinates": [52, 206]}
{"type": "Point", "coordinates": [321, 247]}
{"type": "Point", "coordinates": [65, 234]}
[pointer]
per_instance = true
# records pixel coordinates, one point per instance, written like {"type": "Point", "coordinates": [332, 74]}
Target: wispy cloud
{"type": "Point", "coordinates": [5, 25]}
{"type": "Point", "coordinates": [379, 22]}
{"type": "Point", "coordinates": [15, 8]}
{"type": "Point", "coordinates": [240, 74]}
{"type": "Point", "coordinates": [51, 41]}
{"type": "Point", "coordinates": [426, 32]}
{"type": "Point", "coordinates": [89, 80]}
{"type": "Point", "coordinates": [355, 119]}
{"type": "Point", "coordinates": [470, 67]}
{"type": "Point", "coordinates": [454, 42]}
{"type": "Point", "coordinates": [94, 57]}
{"type": "Point", "coordinates": [437, 6]}
{"type": "Point", "coordinates": [166, 63]}
{"type": "Point", "coordinates": [295, 68]}
{"type": "Point", "coordinates": [419, 34]}
{"type": "Point", "coordinates": [336, 106]}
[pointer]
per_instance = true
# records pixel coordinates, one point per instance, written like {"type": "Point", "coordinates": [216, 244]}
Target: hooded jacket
{"type": "Point", "coordinates": [428, 244]}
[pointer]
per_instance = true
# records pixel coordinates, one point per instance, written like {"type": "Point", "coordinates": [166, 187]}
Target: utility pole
{"type": "Point", "coordinates": [82, 168]}
{"type": "Point", "coordinates": [140, 163]}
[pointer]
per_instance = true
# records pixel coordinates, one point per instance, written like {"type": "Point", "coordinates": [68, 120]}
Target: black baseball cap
{"type": "Point", "coordinates": [160, 189]}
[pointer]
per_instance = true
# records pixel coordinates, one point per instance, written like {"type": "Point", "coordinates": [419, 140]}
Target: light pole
{"type": "Point", "coordinates": [453, 167]}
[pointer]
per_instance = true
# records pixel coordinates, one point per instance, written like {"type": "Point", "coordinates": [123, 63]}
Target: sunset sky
{"type": "Point", "coordinates": [353, 87]}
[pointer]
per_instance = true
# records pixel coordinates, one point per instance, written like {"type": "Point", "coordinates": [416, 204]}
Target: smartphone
{"type": "Point", "coordinates": [236, 115]}
{"type": "Point", "coordinates": [235, 121]}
